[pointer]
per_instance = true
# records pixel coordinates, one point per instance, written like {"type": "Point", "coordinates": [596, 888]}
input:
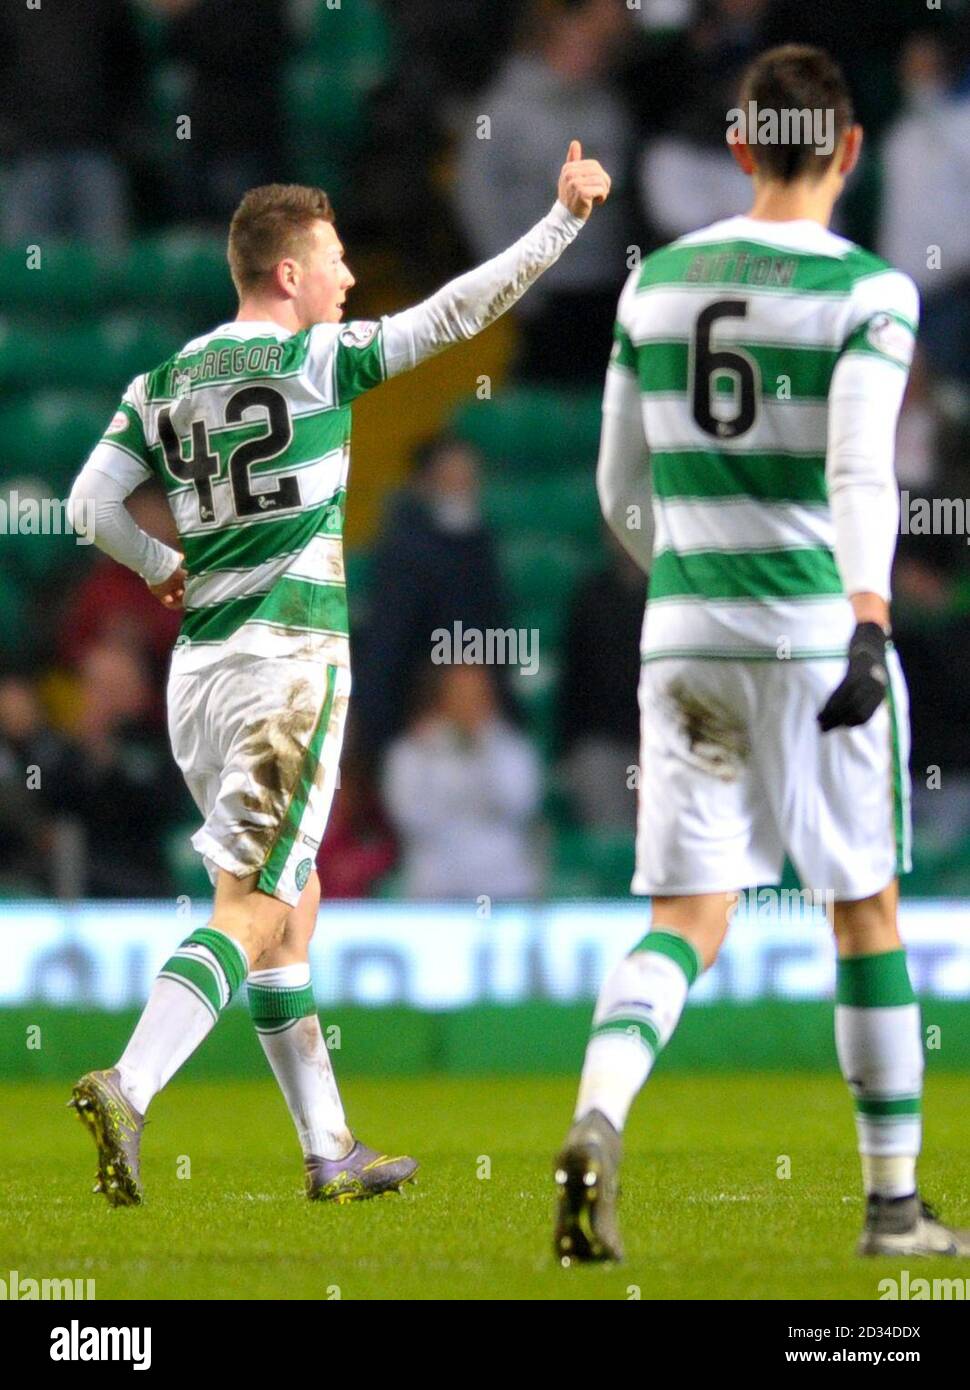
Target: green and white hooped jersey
{"type": "Point", "coordinates": [248, 429]}
{"type": "Point", "coordinates": [734, 333]}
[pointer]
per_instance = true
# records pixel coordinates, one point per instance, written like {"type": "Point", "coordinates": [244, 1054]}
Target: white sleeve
{"type": "Point", "coordinates": [468, 304]}
{"type": "Point", "coordinates": [115, 467]}
{"type": "Point", "coordinates": [97, 509]}
{"type": "Point", "coordinates": [623, 467]}
{"type": "Point", "coordinates": [865, 396]}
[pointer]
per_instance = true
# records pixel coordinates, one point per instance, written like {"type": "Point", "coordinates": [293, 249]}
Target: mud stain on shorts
{"type": "Point", "coordinates": [716, 737]}
{"type": "Point", "coordinates": [273, 751]}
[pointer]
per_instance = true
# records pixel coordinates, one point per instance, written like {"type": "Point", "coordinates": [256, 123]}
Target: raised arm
{"type": "Point", "coordinates": [468, 304]}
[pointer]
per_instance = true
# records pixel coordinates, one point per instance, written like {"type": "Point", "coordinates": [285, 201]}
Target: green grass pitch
{"type": "Point", "coordinates": [704, 1212]}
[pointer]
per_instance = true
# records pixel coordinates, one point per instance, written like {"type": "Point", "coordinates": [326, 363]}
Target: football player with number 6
{"type": "Point", "coordinates": [749, 414]}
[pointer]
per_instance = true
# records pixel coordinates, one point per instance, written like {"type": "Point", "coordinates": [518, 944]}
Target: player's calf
{"type": "Point", "coordinates": [253, 919]}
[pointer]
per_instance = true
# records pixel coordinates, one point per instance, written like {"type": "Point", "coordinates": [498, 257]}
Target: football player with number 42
{"type": "Point", "coordinates": [248, 429]}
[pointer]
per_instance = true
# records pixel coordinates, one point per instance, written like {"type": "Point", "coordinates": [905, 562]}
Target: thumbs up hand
{"type": "Point", "coordinates": [582, 182]}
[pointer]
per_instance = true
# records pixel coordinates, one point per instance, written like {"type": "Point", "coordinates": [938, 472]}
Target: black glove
{"type": "Point", "coordinates": [864, 687]}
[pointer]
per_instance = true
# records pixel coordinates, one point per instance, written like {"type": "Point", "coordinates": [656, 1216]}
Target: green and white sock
{"type": "Point", "coordinates": [636, 1013]}
{"type": "Point", "coordinates": [285, 1017]}
{"type": "Point", "coordinates": [878, 1039]}
{"type": "Point", "coordinates": [191, 990]}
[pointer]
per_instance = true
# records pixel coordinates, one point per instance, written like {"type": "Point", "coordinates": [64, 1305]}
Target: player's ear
{"type": "Point", "coordinates": [741, 151]}
{"type": "Point", "coordinates": [851, 149]}
{"type": "Point", "coordinates": [287, 275]}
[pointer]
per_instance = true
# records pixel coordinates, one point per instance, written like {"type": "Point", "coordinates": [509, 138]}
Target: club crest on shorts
{"type": "Point", "coordinates": [303, 873]}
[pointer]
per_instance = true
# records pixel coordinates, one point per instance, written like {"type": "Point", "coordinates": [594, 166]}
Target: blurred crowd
{"type": "Point", "coordinates": [443, 123]}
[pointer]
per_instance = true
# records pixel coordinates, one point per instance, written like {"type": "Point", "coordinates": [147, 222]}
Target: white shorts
{"type": "Point", "coordinates": [735, 773]}
{"type": "Point", "coordinates": [258, 741]}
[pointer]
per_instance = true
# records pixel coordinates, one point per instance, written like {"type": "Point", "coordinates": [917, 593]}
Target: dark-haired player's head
{"type": "Point", "coordinates": [283, 246]}
{"type": "Point", "coordinates": [794, 120]}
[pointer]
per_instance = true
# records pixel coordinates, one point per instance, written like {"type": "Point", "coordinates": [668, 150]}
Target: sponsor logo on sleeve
{"type": "Point", "coordinates": [359, 334]}
{"type": "Point", "coordinates": [890, 337]}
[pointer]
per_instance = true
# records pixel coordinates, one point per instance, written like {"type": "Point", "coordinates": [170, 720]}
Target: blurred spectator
{"type": "Point", "coordinates": [931, 631]}
{"type": "Point", "coordinates": [442, 61]}
{"type": "Point", "coordinates": [232, 53]}
{"type": "Point", "coordinates": [926, 207]}
{"type": "Point", "coordinates": [599, 732]}
{"type": "Point", "coordinates": [114, 604]}
{"type": "Point", "coordinates": [73, 76]}
{"type": "Point", "coordinates": [118, 781]}
{"type": "Point", "coordinates": [30, 757]}
{"type": "Point", "coordinates": [556, 86]}
{"type": "Point", "coordinates": [917, 429]}
{"type": "Point", "coordinates": [434, 564]}
{"type": "Point", "coordinates": [867, 48]}
{"type": "Point", "coordinates": [461, 788]}
{"type": "Point", "coordinates": [358, 846]}
{"type": "Point", "coordinates": [401, 201]}
{"type": "Point", "coordinates": [664, 15]}
{"type": "Point", "coordinates": [687, 178]}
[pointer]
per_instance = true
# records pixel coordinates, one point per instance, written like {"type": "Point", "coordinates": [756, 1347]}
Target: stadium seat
{"type": "Point", "coordinates": [17, 889]}
{"type": "Point", "coordinates": [31, 556]}
{"type": "Point", "coordinates": [357, 570]}
{"type": "Point", "coordinates": [565, 507]}
{"type": "Point", "coordinates": [69, 279]}
{"type": "Point", "coordinates": [86, 353]}
{"type": "Point", "coordinates": [355, 40]}
{"type": "Point", "coordinates": [538, 570]}
{"type": "Point", "coordinates": [325, 117]}
{"type": "Point", "coordinates": [592, 863]}
{"type": "Point", "coordinates": [168, 98]}
{"type": "Point", "coordinates": [151, 25]}
{"type": "Point", "coordinates": [48, 435]}
{"type": "Point", "coordinates": [185, 867]}
{"type": "Point", "coordinates": [14, 607]}
{"type": "Point", "coordinates": [537, 694]}
{"type": "Point", "coordinates": [24, 356]}
{"type": "Point", "coordinates": [537, 428]}
{"type": "Point", "coordinates": [179, 267]}
{"type": "Point", "coordinates": [940, 869]}
{"type": "Point", "coordinates": [109, 352]}
{"type": "Point", "coordinates": [541, 570]}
